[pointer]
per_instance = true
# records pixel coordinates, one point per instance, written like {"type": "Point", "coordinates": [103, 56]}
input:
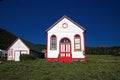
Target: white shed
{"type": "Point", "coordinates": [65, 41]}
{"type": "Point", "coordinates": [20, 46]}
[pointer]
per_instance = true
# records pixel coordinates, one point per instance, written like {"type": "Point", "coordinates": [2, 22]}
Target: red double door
{"type": "Point", "coordinates": [65, 50]}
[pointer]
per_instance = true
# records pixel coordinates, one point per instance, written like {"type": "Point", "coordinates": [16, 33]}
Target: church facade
{"type": "Point", "coordinates": [65, 41]}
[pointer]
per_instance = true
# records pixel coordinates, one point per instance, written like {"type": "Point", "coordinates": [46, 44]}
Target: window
{"type": "Point", "coordinates": [53, 43]}
{"type": "Point", "coordinates": [77, 44]}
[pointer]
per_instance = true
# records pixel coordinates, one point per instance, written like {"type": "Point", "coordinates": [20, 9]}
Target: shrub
{"type": "Point", "coordinates": [116, 54]}
{"type": "Point", "coordinates": [27, 57]}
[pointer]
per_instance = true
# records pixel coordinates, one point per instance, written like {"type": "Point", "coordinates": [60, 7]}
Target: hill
{"type": "Point", "coordinates": [103, 50]}
{"type": "Point", "coordinates": [41, 46]}
{"type": "Point", "coordinates": [6, 39]}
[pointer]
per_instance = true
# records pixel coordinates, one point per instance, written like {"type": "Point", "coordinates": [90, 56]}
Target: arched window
{"type": "Point", "coordinates": [77, 43]}
{"type": "Point", "coordinates": [53, 42]}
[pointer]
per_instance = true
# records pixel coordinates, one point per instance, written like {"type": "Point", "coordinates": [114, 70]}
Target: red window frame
{"type": "Point", "coordinates": [77, 36]}
{"type": "Point", "coordinates": [53, 42]}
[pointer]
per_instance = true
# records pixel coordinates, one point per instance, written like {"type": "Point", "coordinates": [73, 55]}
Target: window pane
{"type": "Point", "coordinates": [65, 40]}
{"type": "Point", "coordinates": [53, 42]}
{"type": "Point", "coordinates": [77, 46]}
{"type": "Point", "coordinates": [53, 46]}
{"type": "Point", "coordinates": [77, 40]}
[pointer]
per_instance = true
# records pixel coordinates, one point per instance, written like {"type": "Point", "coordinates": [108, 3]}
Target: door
{"type": "Point", "coordinates": [65, 50]}
{"type": "Point", "coordinates": [10, 54]}
{"type": "Point", "coordinates": [17, 55]}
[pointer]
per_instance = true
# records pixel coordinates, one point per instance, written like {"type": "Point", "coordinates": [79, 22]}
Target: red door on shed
{"type": "Point", "coordinates": [65, 50]}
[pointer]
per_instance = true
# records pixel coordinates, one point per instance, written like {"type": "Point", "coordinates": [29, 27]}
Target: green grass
{"type": "Point", "coordinates": [97, 67]}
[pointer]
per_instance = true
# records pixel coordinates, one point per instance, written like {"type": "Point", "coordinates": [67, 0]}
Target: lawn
{"type": "Point", "coordinates": [96, 67]}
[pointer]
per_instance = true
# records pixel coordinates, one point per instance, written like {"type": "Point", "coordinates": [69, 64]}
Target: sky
{"type": "Point", "coordinates": [29, 19]}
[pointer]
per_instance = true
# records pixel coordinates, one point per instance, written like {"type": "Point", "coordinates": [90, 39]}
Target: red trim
{"type": "Point", "coordinates": [64, 58]}
{"type": "Point", "coordinates": [47, 47]}
{"type": "Point", "coordinates": [73, 59]}
{"type": "Point", "coordinates": [84, 45]}
{"type": "Point", "coordinates": [74, 42]}
{"type": "Point", "coordinates": [51, 42]}
{"type": "Point", "coordinates": [64, 24]}
{"type": "Point", "coordinates": [10, 51]}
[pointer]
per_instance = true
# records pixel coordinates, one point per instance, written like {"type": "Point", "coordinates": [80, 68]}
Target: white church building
{"type": "Point", "coordinates": [65, 41]}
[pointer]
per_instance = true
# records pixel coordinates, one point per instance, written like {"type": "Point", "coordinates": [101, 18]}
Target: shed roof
{"type": "Point", "coordinates": [30, 45]}
{"type": "Point", "coordinates": [62, 19]}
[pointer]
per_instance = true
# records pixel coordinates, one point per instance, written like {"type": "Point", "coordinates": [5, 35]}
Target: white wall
{"type": "Point", "coordinates": [20, 47]}
{"type": "Point", "coordinates": [68, 32]}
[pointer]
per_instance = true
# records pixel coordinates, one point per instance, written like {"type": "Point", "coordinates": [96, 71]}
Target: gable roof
{"type": "Point", "coordinates": [30, 45]}
{"type": "Point", "coordinates": [7, 39]}
{"type": "Point", "coordinates": [62, 19]}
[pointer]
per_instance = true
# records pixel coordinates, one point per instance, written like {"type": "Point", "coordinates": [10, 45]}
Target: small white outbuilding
{"type": "Point", "coordinates": [65, 41]}
{"type": "Point", "coordinates": [20, 46]}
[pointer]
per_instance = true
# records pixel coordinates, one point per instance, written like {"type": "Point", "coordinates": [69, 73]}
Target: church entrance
{"type": "Point", "coordinates": [65, 50]}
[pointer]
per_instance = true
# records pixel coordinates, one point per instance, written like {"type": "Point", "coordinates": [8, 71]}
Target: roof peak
{"type": "Point", "coordinates": [64, 16]}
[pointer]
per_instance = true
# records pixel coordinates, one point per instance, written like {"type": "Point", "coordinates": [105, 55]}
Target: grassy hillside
{"type": "Point", "coordinates": [41, 46]}
{"type": "Point", "coordinates": [104, 50]}
{"type": "Point", "coordinates": [7, 38]}
{"type": "Point", "coordinates": [103, 67]}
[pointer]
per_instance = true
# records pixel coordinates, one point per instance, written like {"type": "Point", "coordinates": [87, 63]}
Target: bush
{"type": "Point", "coordinates": [117, 54]}
{"type": "Point", "coordinates": [27, 57]}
